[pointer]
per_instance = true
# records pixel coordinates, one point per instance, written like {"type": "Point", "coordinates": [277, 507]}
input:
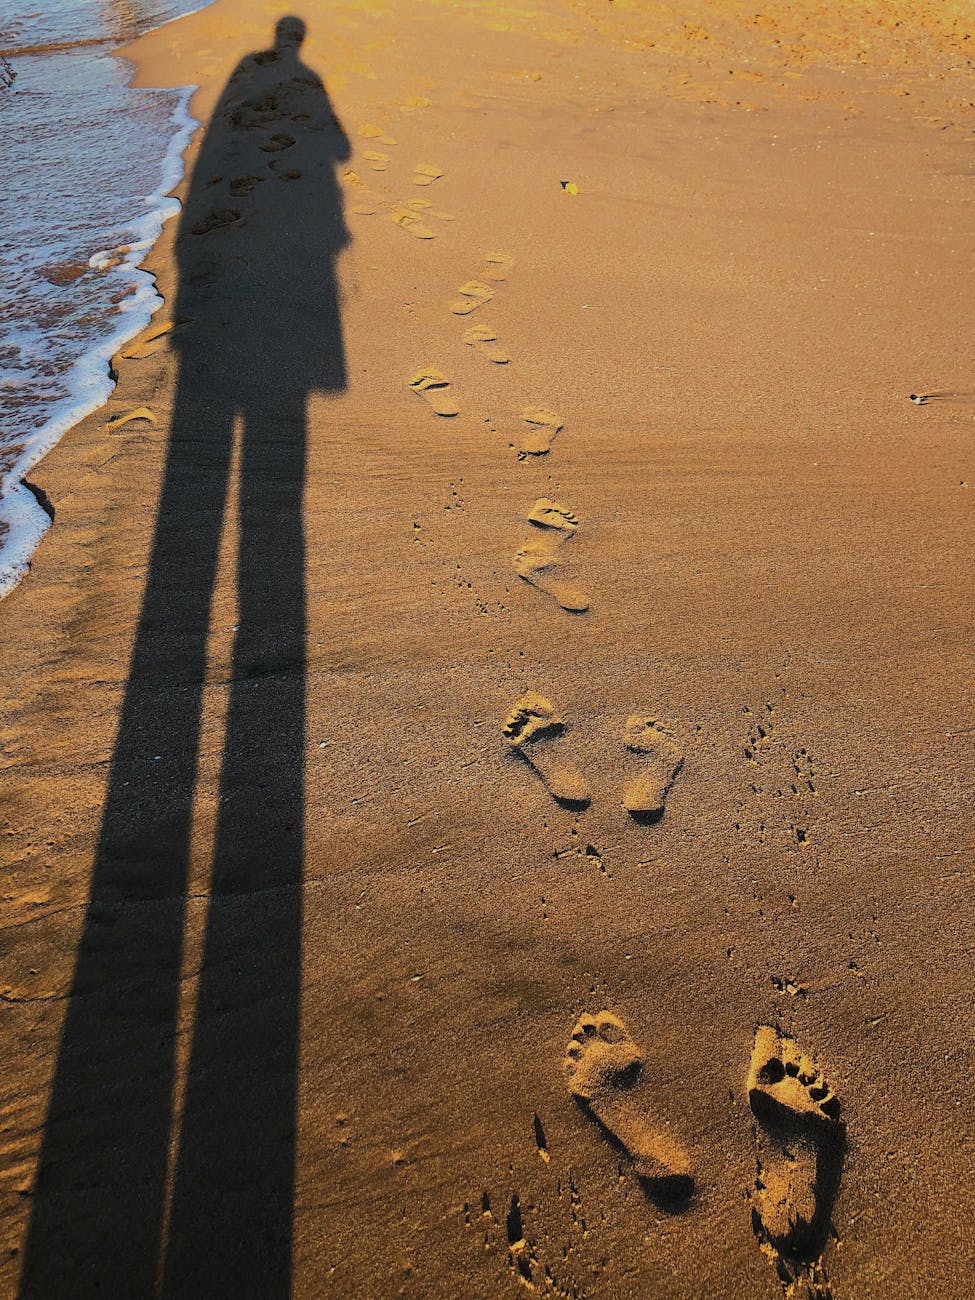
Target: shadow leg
{"type": "Point", "coordinates": [98, 1202]}
{"type": "Point", "coordinates": [233, 1199]}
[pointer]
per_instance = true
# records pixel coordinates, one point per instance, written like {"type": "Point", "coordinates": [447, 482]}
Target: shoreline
{"type": "Point", "coordinates": [371, 768]}
{"type": "Point", "coordinates": [88, 379]}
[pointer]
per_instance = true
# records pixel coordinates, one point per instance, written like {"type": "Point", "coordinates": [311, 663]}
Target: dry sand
{"type": "Point", "coordinates": [295, 937]}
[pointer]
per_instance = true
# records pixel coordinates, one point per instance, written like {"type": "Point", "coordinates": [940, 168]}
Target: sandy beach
{"type": "Point", "coordinates": [487, 739]}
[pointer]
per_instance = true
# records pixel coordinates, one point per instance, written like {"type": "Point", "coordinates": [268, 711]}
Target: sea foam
{"type": "Point", "coordinates": [88, 163]}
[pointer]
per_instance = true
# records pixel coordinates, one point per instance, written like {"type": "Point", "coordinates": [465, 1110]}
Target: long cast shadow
{"type": "Point", "coordinates": [135, 1197]}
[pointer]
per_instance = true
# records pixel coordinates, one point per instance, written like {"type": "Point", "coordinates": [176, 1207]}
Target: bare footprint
{"type": "Point", "coordinates": [369, 131]}
{"type": "Point", "coordinates": [547, 513]}
{"type": "Point", "coordinates": [473, 294]}
{"type": "Point", "coordinates": [410, 220]}
{"type": "Point", "coordinates": [543, 425]}
{"type": "Point", "coordinates": [139, 413]}
{"type": "Point", "coordinates": [216, 220]}
{"type": "Point", "coordinates": [498, 266]}
{"type": "Point", "coordinates": [602, 1063]}
{"type": "Point", "coordinates": [537, 559]}
{"type": "Point", "coordinates": [427, 208]}
{"type": "Point", "coordinates": [644, 797]}
{"type": "Point", "coordinates": [426, 174]}
{"type": "Point", "coordinates": [242, 185]}
{"type": "Point", "coordinates": [154, 340]}
{"type": "Point", "coordinates": [377, 161]}
{"type": "Point", "coordinates": [279, 141]}
{"type": "Point", "coordinates": [484, 340]}
{"type": "Point", "coordinates": [534, 564]}
{"type": "Point", "coordinates": [431, 385]}
{"type": "Point", "coordinates": [801, 1140]}
{"type": "Point", "coordinates": [366, 206]}
{"type": "Point", "coordinates": [531, 728]}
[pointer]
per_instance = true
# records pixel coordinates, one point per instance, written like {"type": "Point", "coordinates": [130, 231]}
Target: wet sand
{"type": "Point", "coordinates": [337, 966]}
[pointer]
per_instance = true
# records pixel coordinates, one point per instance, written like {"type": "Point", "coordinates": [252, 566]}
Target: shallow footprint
{"type": "Point", "coordinates": [426, 174]}
{"type": "Point", "coordinates": [498, 266]}
{"type": "Point", "coordinates": [543, 425]}
{"type": "Point", "coordinates": [531, 728]}
{"type": "Point", "coordinates": [216, 220]}
{"type": "Point", "coordinates": [369, 131]}
{"type": "Point", "coordinates": [242, 185]}
{"type": "Point", "coordinates": [473, 294]}
{"type": "Point", "coordinates": [801, 1140]}
{"type": "Point", "coordinates": [534, 564]}
{"type": "Point", "coordinates": [484, 340]}
{"type": "Point", "coordinates": [366, 206]}
{"type": "Point", "coordinates": [139, 413]}
{"type": "Point", "coordinates": [280, 140]}
{"type": "Point", "coordinates": [536, 560]}
{"type": "Point", "coordinates": [410, 221]}
{"type": "Point", "coordinates": [154, 340]}
{"type": "Point", "coordinates": [433, 387]}
{"type": "Point", "coordinates": [377, 161]}
{"type": "Point", "coordinates": [644, 797]}
{"type": "Point", "coordinates": [602, 1063]}
{"type": "Point", "coordinates": [426, 207]}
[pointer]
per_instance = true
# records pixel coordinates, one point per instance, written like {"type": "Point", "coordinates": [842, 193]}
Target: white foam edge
{"type": "Point", "coordinates": [89, 380]}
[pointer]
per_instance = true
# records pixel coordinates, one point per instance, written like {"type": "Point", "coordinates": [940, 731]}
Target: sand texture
{"type": "Point", "coordinates": [487, 740]}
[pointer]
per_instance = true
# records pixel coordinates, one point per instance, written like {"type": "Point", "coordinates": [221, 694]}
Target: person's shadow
{"type": "Point", "coordinates": [155, 1179]}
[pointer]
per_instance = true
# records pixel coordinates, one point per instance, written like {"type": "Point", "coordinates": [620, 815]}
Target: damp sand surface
{"type": "Point", "coordinates": [366, 904]}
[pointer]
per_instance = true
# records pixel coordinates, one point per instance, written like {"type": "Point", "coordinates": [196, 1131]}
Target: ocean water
{"type": "Point", "coordinates": [85, 166]}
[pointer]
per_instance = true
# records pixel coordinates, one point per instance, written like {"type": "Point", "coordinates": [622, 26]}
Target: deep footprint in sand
{"type": "Point", "coordinates": [602, 1063]}
{"type": "Point", "coordinates": [472, 295]}
{"type": "Point", "coordinates": [546, 513]}
{"type": "Point", "coordinates": [484, 340]}
{"type": "Point", "coordinates": [801, 1140]}
{"type": "Point", "coordinates": [531, 729]}
{"type": "Point", "coordinates": [536, 561]}
{"type": "Point", "coordinates": [652, 738]}
{"type": "Point", "coordinates": [434, 388]}
{"type": "Point", "coordinates": [543, 425]}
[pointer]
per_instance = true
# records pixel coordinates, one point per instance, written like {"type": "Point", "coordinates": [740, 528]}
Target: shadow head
{"type": "Point", "coordinates": [289, 33]}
